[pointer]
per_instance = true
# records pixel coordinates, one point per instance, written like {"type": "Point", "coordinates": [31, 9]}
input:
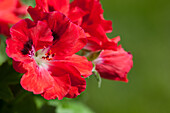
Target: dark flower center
{"type": "Point", "coordinates": [27, 47]}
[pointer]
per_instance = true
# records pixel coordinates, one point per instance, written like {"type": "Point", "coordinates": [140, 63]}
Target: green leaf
{"type": "Point", "coordinates": [5, 93]}
{"type": "Point", "coordinates": [29, 2]}
{"type": "Point", "coordinates": [3, 55]}
{"type": "Point", "coordinates": [72, 107]}
{"type": "Point", "coordinates": [8, 75]}
{"type": "Point", "coordinates": [25, 104]}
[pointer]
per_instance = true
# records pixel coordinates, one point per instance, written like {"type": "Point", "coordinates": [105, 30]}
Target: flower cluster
{"type": "Point", "coordinates": [45, 49]}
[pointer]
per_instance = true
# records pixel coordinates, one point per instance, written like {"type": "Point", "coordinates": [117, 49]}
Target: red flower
{"type": "Point", "coordinates": [86, 13]}
{"type": "Point", "coordinates": [9, 12]}
{"type": "Point", "coordinates": [114, 64]}
{"type": "Point", "coordinates": [45, 52]}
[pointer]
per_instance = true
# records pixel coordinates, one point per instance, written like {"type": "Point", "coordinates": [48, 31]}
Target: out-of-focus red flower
{"type": "Point", "coordinates": [86, 13]}
{"type": "Point", "coordinates": [45, 52]}
{"type": "Point", "coordinates": [114, 64]}
{"type": "Point", "coordinates": [10, 10]}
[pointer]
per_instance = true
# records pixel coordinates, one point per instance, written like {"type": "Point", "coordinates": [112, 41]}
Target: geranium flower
{"type": "Point", "coordinates": [114, 64]}
{"type": "Point", "coordinates": [10, 10]}
{"type": "Point", "coordinates": [86, 13]}
{"type": "Point", "coordinates": [89, 15]}
{"type": "Point", "coordinates": [45, 52]}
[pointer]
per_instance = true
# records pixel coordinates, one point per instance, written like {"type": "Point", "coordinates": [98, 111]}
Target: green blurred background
{"type": "Point", "coordinates": [144, 27]}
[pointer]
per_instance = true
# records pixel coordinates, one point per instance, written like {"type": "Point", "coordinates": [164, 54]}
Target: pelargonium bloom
{"type": "Point", "coordinates": [89, 15]}
{"type": "Point", "coordinates": [114, 64]}
{"type": "Point", "coordinates": [45, 52]}
{"type": "Point", "coordinates": [9, 12]}
{"type": "Point", "coordinates": [86, 13]}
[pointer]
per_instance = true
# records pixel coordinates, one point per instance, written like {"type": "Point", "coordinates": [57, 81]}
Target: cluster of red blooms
{"type": "Point", "coordinates": [44, 49]}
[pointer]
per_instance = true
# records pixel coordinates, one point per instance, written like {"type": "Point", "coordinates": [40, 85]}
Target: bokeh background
{"type": "Point", "coordinates": [144, 27]}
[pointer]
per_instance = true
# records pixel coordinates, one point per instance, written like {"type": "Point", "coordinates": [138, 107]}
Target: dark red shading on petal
{"type": "Point", "coordinates": [90, 18]}
{"type": "Point", "coordinates": [82, 64]}
{"type": "Point", "coordinates": [43, 4]}
{"type": "Point", "coordinates": [4, 29]}
{"type": "Point", "coordinates": [54, 5]}
{"type": "Point", "coordinates": [76, 14]}
{"type": "Point", "coordinates": [60, 89]}
{"type": "Point", "coordinates": [68, 37]}
{"type": "Point", "coordinates": [94, 13]}
{"type": "Point", "coordinates": [41, 35]}
{"type": "Point", "coordinates": [114, 65]}
{"type": "Point", "coordinates": [78, 84]}
{"type": "Point", "coordinates": [59, 5]}
{"type": "Point", "coordinates": [24, 36]}
{"type": "Point", "coordinates": [18, 66]}
{"type": "Point", "coordinates": [93, 44]}
{"type": "Point", "coordinates": [37, 13]}
{"type": "Point", "coordinates": [37, 79]}
{"type": "Point", "coordinates": [68, 81]}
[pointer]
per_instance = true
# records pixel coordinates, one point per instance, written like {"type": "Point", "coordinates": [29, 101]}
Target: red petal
{"type": "Point", "coordinates": [18, 66]}
{"type": "Point", "coordinates": [68, 37]}
{"type": "Point", "coordinates": [54, 5]}
{"type": "Point", "coordinates": [59, 5]}
{"type": "Point", "coordinates": [37, 79]}
{"type": "Point", "coordinates": [41, 35]}
{"type": "Point", "coordinates": [9, 11]}
{"type": "Point", "coordinates": [36, 13]}
{"type": "Point", "coordinates": [9, 17]}
{"type": "Point", "coordinates": [60, 89]}
{"type": "Point", "coordinates": [93, 44]}
{"type": "Point", "coordinates": [23, 32]}
{"type": "Point", "coordinates": [13, 50]}
{"type": "Point", "coordinates": [76, 14]}
{"type": "Point", "coordinates": [71, 86]}
{"type": "Point", "coordinates": [8, 5]}
{"type": "Point", "coordinates": [114, 65]}
{"type": "Point", "coordinates": [82, 65]}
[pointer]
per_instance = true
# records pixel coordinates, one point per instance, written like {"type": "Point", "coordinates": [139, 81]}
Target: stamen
{"type": "Point", "coordinates": [49, 56]}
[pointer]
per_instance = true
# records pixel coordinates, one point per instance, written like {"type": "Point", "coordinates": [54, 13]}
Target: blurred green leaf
{"type": "Point", "coordinates": [5, 92]}
{"type": "Point", "coordinates": [29, 2]}
{"type": "Point", "coordinates": [68, 106]}
{"type": "Point", "coordinates": [25, 104]}
{"type": "Point", "coordinates": [8, 77]}
{"type": "Point", "coordinates": [3, 55]}
{"type": "Point", "coordinates": [72, 107]}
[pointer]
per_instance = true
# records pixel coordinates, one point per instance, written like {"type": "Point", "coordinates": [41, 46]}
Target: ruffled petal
{"type": "Point", "coordinates": [68, 37]}
{"type": "Point", "coordinates": [26, 34]}
{"type": "Point", "coordinates": [60, 89]}
{"type": "Point", "coordinates": [37, 79]}
{"type": "Point", "coordinates": [71, 85]}
{"type": "Point", "coordinates": [82, 64]}
{"type": "Point", "coordinates": [54, 5]}
{"type": "Point", "coordinates": [59, 5]}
